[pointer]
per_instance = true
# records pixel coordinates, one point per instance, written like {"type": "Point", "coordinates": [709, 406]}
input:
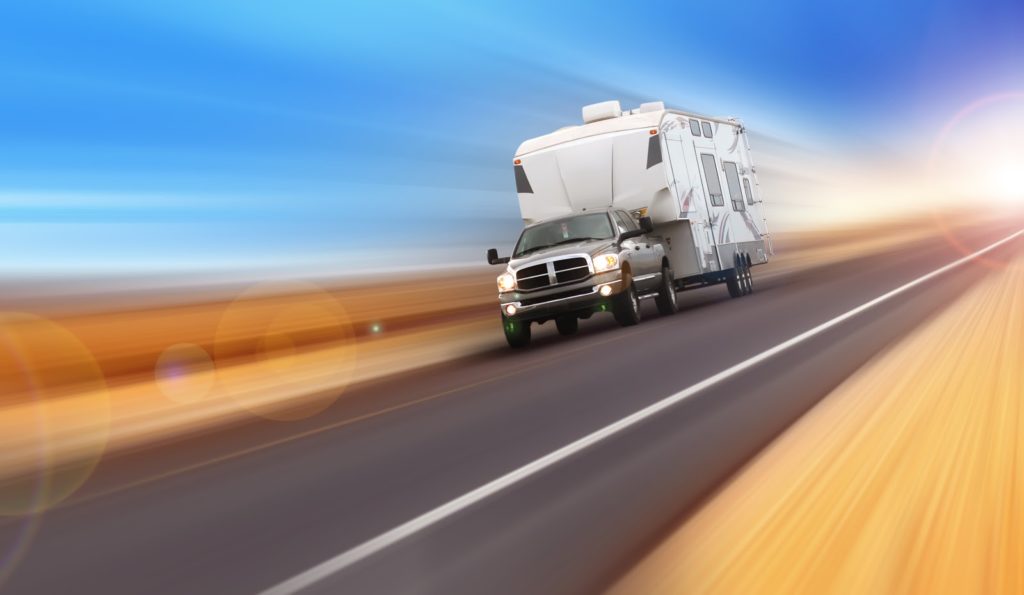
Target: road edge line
{"type": "Point", "coordinates": [370, 547]}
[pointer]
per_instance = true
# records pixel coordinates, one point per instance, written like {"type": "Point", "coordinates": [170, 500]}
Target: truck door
{"type": "Point", "coordinates": [643, 260]}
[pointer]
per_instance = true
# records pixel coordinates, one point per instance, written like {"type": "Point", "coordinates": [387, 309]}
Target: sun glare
{"type": "Point", "coordinates": [1005, 181]}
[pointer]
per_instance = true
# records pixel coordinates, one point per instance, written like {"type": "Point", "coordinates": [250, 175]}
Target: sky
{"type": "Point", "coordinates": [144, 137]}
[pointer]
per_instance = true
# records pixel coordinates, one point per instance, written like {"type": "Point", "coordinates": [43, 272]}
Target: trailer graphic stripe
{"type": "Point", "coordinates": [389, 538]}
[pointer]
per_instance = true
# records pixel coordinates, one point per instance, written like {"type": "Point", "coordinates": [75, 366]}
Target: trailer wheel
{"type": "Point", "coordinates": [734, 279]}
{"type": "Point", "coordinates": [567, 325]}
{"type": "Point", "coordinates": [517, 332]}
{"type": "Point", "coordinates": [748, 270]}
{"type": "Point", "coordinates": [626, 307]}
{"type": "Point", "coordinates": [666, 299]}
{"type": "Point", "coordinates": [741, 273]}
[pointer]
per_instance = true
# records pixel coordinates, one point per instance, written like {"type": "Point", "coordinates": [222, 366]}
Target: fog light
{"type": "Point", "coordinates": [606, 290]}
{"type": "Point", "coordinates": [510, 310]}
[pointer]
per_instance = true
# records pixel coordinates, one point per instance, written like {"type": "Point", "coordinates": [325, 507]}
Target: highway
{"type": "Point", "coordinates": [246, 508]}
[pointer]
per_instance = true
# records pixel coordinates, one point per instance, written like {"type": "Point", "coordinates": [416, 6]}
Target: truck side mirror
{"type": "Point", "coordinates": [646, 224]}
{"type": "Point", "coordinates": [492, 257]}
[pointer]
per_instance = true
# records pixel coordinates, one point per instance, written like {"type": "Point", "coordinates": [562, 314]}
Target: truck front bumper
{"type": "Point", "coordinates": [579, 301]}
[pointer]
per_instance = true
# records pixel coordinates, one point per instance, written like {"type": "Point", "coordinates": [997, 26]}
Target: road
{"type": "Point", "coordinates": [245, 508]}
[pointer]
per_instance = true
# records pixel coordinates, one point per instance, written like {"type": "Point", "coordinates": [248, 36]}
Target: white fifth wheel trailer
{"type": "Point", "coordinates": [692, 174]}
{"type": "Point", "coordinates": [625, 207]}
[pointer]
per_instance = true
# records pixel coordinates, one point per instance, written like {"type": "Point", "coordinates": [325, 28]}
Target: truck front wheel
{"type": "Point", "coordinates": [517, 332]}
{"type": "Point", "coordinates": [626, 307]}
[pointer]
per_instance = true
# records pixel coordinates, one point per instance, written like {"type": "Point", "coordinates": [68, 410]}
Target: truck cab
{"type": "Point", "coordinates": [569, 268]}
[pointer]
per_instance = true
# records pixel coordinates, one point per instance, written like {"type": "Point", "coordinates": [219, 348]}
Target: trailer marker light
{"type": "Point", "coordinates": [517, 162]}
{"type": "Point", "coordinates": [510, 310]}
{"type": "Point", "coordinates": [654, 131]}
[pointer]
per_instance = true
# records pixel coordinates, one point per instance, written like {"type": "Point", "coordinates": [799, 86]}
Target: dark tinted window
{"type": "Point", "coordinates": [653, 151]}
{"type": "Point", "coordinates": [714, 182]}
{"type": "Point", "coordinates": [522, 183]}
{"type": "Point", "coordinates": [706, 127]}
{"type": "Point", "coordinates": [746, 190]}
{"type": "Point", "coordinates": [732, 177]}
{"type": "Point", "coordinates": [695, 127]}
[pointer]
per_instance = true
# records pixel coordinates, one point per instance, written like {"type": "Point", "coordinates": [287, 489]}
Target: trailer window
{"type": "Point", "coordinates": [522, 182]}
{"type": "Point", "coordinates": [706, 127]}
{"type": "Point", "coordinates": [746, 190]}
{"type": "Point", "coordinates": [695, 127]}
{"type": "Point", "coordinates": [732, 177]}
{"type": "Point", "coordinates": [654, 151]}
{"type": "Point", "coordinates": [714, 182]}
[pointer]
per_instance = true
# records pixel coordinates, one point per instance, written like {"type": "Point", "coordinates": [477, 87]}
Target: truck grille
{"type": "Point", "coordinates": [571, 269]}
{"type": "Point", "coordinates": [566, 270]}
{"type": "Point", "coordinates": [533, 277]}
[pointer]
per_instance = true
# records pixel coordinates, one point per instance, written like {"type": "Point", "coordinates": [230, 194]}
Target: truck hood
{"type": "Point", "coordinates": [591, 247]}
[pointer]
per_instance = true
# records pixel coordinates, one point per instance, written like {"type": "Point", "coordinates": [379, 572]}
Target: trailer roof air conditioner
{"type": "Point", "coordinates": [601, 111]}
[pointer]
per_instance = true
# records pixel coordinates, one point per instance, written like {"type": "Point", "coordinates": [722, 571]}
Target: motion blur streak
{"type": "Point", "coordinates": [281, 351]}
{"type": "Point", "coordinates": [908, 478]}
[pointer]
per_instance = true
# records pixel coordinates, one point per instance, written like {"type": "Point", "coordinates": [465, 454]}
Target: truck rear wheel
{"type": "Point", "coordinates": [517, 332]}
{"type": "Point", "coordinates": [666, 299]}
{"type": "Point", "coordinates": [627, 306]}
{"type": "Point", "coordinates": [567, 325]}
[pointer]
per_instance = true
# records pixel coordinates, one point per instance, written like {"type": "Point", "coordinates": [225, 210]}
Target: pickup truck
{"type": "Point", "coordinates": [568, 268]}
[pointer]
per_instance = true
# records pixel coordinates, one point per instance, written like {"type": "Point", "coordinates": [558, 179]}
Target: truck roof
{"type": "Point", "coordinates": [648, 115]}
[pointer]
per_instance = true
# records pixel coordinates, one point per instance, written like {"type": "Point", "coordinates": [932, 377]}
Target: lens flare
{"type": "Point", "coordinates": [56, 414]}
{"type": "Point", "coordinates": [185, 373]}
{"type": "Point", "coordinates": [285, 351]}
{"type": "Point", "coordinates": [13, 551]}
{"type": "Point", "coordinates": [978, 159]}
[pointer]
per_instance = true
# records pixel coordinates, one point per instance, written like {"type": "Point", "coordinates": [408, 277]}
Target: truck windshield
{"type": "Point", "coordinates": [594, 226]}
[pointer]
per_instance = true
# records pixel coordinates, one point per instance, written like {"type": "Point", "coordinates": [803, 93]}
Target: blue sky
{"type": "Point", "coordinates": [181, 135]}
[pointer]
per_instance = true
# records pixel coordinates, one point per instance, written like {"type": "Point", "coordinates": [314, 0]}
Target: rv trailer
{"type": "Point", "coordinates": [689, 180]}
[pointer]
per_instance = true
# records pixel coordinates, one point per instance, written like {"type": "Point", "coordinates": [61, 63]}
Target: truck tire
{"type": "Point", "coordinates": [517, 332]}
{"type": "Point", "coordinates": [626, 307]}
{"type": "Point", "coordinates": [666, 299]}
{"type": "Point", "coordinates": [567, 325]}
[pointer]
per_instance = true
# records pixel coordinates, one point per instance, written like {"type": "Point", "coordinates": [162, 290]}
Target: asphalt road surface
{"type": "Point", "coordinates": [243, 509]}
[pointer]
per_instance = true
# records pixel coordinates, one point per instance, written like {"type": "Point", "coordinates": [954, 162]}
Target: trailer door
{"type": "Point", "coordinates": [686, 188]}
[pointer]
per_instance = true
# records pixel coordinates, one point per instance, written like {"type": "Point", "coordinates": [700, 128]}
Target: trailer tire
{"type": "Point", "coordinates": [626, 307]}
{"type": "Point", "coordinates": [748, 270]}
{"type": "Point", "coordinates": [741, 272]}
{"type": "Point", "coordinates": [517, 332]}
{"type": "Point", "coordinates": [567, 325]}
{"type": "Point", "coordinates": [733, 283]}
{"type": "Point", "coordinates": [666, 299]}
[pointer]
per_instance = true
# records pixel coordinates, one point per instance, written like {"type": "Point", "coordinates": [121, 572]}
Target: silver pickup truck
{"type": "Point", "coordinates": [569, 268]}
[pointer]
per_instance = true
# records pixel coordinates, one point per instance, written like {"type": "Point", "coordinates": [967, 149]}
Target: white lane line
{"type": "Point", "coordinates": [384, 540]}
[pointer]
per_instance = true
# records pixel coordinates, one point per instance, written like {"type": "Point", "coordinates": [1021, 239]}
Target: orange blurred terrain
{"type": "Point", "coordinates": [106, 373]}
{"type": "Point", "coordinates": [907, 478]}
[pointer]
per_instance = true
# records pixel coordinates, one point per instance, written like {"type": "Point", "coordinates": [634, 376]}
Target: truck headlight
{"type": "Point", "coordinates": [606, 262]}
{"type": "Point", "coordinates": [506, 282]}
